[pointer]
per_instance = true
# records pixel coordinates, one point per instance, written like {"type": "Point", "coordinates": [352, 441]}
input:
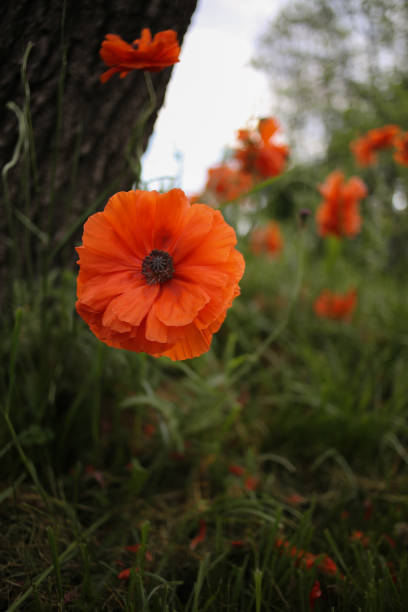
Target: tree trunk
{"type": "Point", "coordinates": [96, 119]}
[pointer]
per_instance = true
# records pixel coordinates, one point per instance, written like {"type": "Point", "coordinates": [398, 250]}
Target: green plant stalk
{"type": "Point", "coordinates": [135, 145]}
{"type": "Point", "coordinates": [97, 395]}
{"type": "Point", "coordinates": [55, 560]}
{"type": "Point", "coordinates": [15, 254]}
{"type": "Point", "coordinates": [253, 359]}
{"type": "Point", "coordinates": [61, 559]}
{"type": "Point", "coordinates": [258, 589]}
{"type": "Point", "coordinates": [6, 412]}
{"type": "Point", "coordinates": [13, 358]}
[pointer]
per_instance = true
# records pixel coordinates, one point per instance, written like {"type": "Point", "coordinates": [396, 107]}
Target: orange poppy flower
{"type": "Point", "coordinates": [365, 148]}
{"type": "Point", "coordinates": [267, 239]}
{"type": "Point", "coordinates": [143, 54]}
{"type": "Point", "coordinates": [228, 183]}
{"type": "Point", "coordinates": [401, 145]}
{"type": "Point", "coordinates": [157, 274]}
{"type": "Point", "coordinates": [259, 154]}
{"type": "Point", "coordinates": [335, 305]}
{"type": "Point", "coordinates": [338, 214]}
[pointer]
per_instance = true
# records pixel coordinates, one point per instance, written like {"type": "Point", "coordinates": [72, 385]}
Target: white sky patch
{"type": "Point", "coordinates": [213, 91]}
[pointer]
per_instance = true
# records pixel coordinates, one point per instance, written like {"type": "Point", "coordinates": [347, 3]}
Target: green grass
{"type": "Point", "coordinates": [114, 449]}
{"type": "Point", "coordinates": [290, 435]}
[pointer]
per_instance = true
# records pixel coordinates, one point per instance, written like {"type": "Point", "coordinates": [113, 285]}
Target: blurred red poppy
{"type": "Point", "coordinates": [143, 54]}
{"type": "Point", "coordinates": [125, 574]}
{"type": "Point", "coordinates": [335, 305]}
{"type": "Point", "coordinates": [366, 147]}
{"type": "Point", "coordinates": [338, 213]}
{"type": "Point", "coordinates": [228, 183]}
{"type": "Point", "coordinates": [259, 153]}
{"type": "Point", "coordinates": [267, 239]}
{"type": "Point", "coordinates": [358, 536]}
{"type": "Point", "coordinates": [307, 559]}
{"type": "Point", "coordinates": [200, 537]}
{"type": "Point", "coordinates": [251, 483]}
{"type": "Point", "coordinates": [314, 594]}
{"type": "Point", "coordinates": [401, 146]}
{"type": "Point", "coordinates": [237, 470]}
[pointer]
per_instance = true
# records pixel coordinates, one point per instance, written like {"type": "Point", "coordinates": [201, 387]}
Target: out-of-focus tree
{"type": "Point", "coordinates": [326, 57]}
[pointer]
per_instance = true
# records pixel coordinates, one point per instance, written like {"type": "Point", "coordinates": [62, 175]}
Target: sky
{"type": "Point", "coordinates": [213, 91]}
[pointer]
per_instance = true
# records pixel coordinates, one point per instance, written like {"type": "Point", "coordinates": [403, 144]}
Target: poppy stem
{"type": "Point", "coordinates": [134, 149]}
{"type": "Point", "coordinates": [6, 410]}
{"type": "Point", "coordinates": [253, 359]}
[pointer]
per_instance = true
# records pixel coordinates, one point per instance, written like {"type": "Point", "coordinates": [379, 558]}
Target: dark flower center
{"type": "Point", "coordinates": [157, 267]}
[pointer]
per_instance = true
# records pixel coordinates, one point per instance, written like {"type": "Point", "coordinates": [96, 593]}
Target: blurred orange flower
{"type": "Point", "coordinates": [200, 537]}
{"type": "Point", "coordinates": [259, 154]}
{"type": "Point", "coordinates": [315, 593]}
{"type": "Point", "coordinates": [401, 145]}
{"type": "Point", "coordinates": [157, 274]}
{"type": "Point", "coordinates": [228, 183]}
{"type": "Point", "coordinates": [267, 239]}
{"type": "Point", "coordinates": [335, 305]}
{"type": "Point", "coordinates": [365, 148]}
{"type": "Point", "coordinates": [143, 54]}
{"type": "Point", "coordinates": [338, 214]}
{"type": "Point", "coordinates": [306, 559]}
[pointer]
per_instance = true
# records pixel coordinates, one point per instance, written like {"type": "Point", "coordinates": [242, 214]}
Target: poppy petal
{"type": "Point", "coordinates": [179, 302]}
{"type": "Point", "coordinates": [132, 215]}
{"type": "Point", "coordinates": [194, 342]}
{"type": "Point", "coordinates": [132, 306]}
{"type": "Point", "coordinates": [196, 229]}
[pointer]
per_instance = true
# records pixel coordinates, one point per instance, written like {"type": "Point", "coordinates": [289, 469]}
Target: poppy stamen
{"type": "Point", "coordinates": [157, 267]}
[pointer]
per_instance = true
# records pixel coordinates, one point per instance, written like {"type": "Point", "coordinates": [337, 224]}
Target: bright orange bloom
{"type": "Point", "coordinates": [157, 274]}
{"type": "Point", "coordinates": [228, 183]}
{"type": "Point", "coordinates": [259, 154]}
{"type": "Point", "coordinates": [365, 148]}
{"type": "Point", "coordinates": [143, 54]}
{"type": "Point", "coordinates": [401, 145]}
{"type": "Point", "coordinates": [338, 214]}
{"type": "Point", "coordinates": [335, 305]}
{"type": "Point", "coordinates": [267, 239]}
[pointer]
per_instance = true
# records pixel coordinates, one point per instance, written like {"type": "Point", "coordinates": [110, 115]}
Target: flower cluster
{"type": "Point", "coordinates": [258, 156]}
{"type": "Point", "coordinates": [157, 274]}
{"type": "Point", "coordinates": [308, 560]}
{"type": "Point", "coordinates": [259, 153]}
{"type": "Point", "coordinates": [143, 54]}
{"type": "Point", "coordinates": [338, 214]}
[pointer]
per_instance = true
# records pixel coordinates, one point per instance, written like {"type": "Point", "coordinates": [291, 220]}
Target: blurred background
{"type": "Point", "coordinates": [325, 69]}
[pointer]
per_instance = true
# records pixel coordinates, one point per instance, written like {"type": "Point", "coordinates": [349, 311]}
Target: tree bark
{"type": "Point", "coordinates": [96, 119]}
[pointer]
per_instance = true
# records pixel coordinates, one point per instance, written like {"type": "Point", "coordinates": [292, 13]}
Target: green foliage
{"type": "Point", "coordinates": [328, 57]}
